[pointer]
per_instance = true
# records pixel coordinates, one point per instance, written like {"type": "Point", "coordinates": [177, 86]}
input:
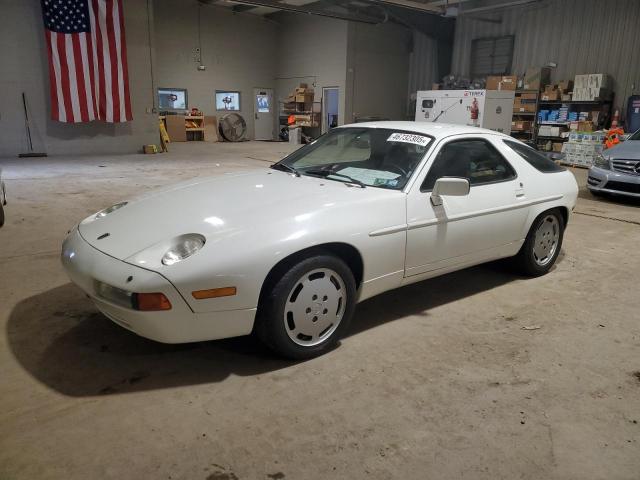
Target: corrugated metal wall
{"type": "Point", "coordinates": [581, 36]}
{"type": "Point", "coordinates": [423, 67]}
{"type": "Point", "coordinates": [423, 63]}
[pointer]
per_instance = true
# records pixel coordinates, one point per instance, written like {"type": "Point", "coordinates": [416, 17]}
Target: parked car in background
{"type": "Point", "coordinates": [3, 199]}
{"type": "Point", "coordinates": [287, 252]}
{"type": "Point", "coordinates": [617, 170]}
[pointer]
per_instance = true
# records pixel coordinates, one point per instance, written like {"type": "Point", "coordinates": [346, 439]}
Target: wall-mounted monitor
{"type": "Point", "coordinates": [227, 100]}
{"type": "Point", "coordinates": [172, 99]}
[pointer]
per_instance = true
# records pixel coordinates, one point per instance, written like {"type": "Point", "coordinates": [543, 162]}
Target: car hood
{"type": "Point", "coordinates": [219, 208]}
{"type": "Point", "coordinates": [629, 150]}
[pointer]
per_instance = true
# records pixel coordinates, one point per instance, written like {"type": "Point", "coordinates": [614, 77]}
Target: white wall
{"type": "Point", "coordinates": [313, 50]}
{"type": "Point", "coordinates": [238, 50]}
{"type": "Point", "coordinates": [378, 70]}
{"type": "Point", "coordinates": [24, 68]}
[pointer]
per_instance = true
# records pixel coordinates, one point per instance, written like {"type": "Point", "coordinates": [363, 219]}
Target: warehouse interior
{"type": "Point", "coordinates": [477, 374]}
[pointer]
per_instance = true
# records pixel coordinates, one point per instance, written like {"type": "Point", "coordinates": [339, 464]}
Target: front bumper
{"type": "Point", "coordinates": [87, 267]}
{"type": "Point", "coordinates": [609, 181]}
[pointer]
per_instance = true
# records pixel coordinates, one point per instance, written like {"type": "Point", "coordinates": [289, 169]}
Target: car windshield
{"type": "Point", "coordinates": [376, 157]}
{"type": "Point", "coordinates": [635, 136]}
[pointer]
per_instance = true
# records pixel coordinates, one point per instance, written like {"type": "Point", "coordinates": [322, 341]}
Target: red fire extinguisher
{"type": "Point", "coordinates": [475, 111]}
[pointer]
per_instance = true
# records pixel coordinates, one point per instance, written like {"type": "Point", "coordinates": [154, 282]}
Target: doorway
{"type": "Point", "coordinates": [330, 102]}
{"type": "Point", "coordinates": [264, 116]}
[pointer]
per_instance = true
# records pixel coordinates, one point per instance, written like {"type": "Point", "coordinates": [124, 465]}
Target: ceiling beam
{"type": "Point", "coordinates": [312, 10]}
{"type": "Point", "coordinates": [423, 7]}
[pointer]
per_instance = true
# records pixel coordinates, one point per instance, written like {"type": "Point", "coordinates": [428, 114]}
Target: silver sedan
{"type": "Point", "coordinates": [617, 170]}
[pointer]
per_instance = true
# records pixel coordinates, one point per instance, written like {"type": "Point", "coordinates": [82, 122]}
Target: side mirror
{"type": "Point", "coordinates": [452, 186]}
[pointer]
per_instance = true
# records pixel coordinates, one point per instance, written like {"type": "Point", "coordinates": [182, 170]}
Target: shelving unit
{"type": "Point", "coordinates": [604, 106]}
{"type": "Point", "coordinates": [194, 126]}
{"type": "Point", "coordinates": [526, 134]}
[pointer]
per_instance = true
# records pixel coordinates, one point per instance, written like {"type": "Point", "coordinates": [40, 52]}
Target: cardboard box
{"type": "Point", "coordinates": [565, 97]}
{"type": "Point", "coordinates": [581, 126]}
{"type": "Point", "coordinates": [523, 107]}
{"type": "Point", "coordinates": [502, 83]}
{"type": "Point", "coordinates": [535, 78]}
{"type": "Point", "coordinates": [550, 96]}
{"type": "Point", "coordinates": [549, 131]}
{"type": "Point", "coordinates": [565, 86]}
{"type": "Point", "coordinates": [521, 125]}
{"type": "Point", "coordinates": [526, 97]}
{"type": "Point", "coordinates": [557, 146]}
{"type": "Point", "coordinates": [304, 98]}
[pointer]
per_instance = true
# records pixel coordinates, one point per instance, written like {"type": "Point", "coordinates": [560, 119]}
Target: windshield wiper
{"type": "Point", "coordinates": [328, 173]}
{"type": "Point", "coordinates": [285, 168]}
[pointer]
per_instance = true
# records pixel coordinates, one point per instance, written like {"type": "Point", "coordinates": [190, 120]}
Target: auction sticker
{"type": "Point", "coordinates": [409, 138]}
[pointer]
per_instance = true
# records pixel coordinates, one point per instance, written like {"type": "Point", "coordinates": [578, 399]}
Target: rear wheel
{"type": "Point", "coordinates": [308, 308]}
{"type": "Point", "coordinates": [542, 245]}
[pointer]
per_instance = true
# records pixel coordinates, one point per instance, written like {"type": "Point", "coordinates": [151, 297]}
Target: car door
{"type": "Point", "coordinates": [470, 228]}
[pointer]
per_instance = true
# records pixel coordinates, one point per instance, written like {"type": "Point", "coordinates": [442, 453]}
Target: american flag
{"type": "Point", "coordinates": [87, 60]}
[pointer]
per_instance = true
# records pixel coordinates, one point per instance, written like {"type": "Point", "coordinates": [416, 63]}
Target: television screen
{"type": "Point", "coordinates": [172, 99]}
{"type": "Point", "coordinates": [229, 101]}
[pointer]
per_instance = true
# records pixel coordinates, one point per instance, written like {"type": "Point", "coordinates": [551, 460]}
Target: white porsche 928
{"type": "Point", "coordinates": [287, 251]}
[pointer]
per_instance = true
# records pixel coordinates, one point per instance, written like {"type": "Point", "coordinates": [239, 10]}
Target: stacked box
{"type": "Point", "coordinates": [583, 147]}
{"type": "Point", "coordinates": [592, 87]}
{"type": "Point", "coordinates": [563, 114]}
{"type": "Point", "coordinates": [502, 83]}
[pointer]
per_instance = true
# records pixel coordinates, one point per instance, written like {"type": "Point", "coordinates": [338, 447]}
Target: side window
{"type": "Point", "coordinates": [536, 159]}
{"type": "Point", "coordinates": [474, 159]}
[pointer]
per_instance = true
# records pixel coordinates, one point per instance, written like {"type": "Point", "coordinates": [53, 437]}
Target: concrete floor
{"type": "Point", "coordinates": [438, 380]}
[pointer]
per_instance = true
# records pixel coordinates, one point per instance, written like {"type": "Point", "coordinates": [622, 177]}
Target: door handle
{"type": "Point", "coordinates": [520, 191]}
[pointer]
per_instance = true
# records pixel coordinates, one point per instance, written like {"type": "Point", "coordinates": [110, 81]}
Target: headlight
{"type": "Point", "coordinates": [112, 208]}
{"type": "Point", "coordinates": [183, 247]}
{"type": "Point", "coordinates": [601, 161]}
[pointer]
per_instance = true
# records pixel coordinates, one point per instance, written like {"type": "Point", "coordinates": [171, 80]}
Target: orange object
{"type": "Point", "coordinates": [214, 293]}
{"type": "Point", "coordinates": [613, 137]}
{"type": "Point", "coordinates": [291, 119]}
{"type": "Point", "coordinates": [151, 302]}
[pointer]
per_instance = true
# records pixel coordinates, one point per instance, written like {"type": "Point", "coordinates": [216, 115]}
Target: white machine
{"type": "Point", "coordinates": [490, 109]}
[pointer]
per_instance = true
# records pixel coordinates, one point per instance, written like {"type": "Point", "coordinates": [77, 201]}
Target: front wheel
{"type": "Point", "coordinates": [306, 310]}
{"type": "Point", "coordinates": [542, 245]}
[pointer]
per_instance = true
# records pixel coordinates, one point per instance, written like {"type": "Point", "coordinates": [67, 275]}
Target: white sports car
{"type": "Point", "coordinates": [287, 252]}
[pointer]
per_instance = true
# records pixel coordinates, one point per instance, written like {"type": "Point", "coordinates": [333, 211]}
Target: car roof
{"type": "Point", "coordinates": [436, 130]}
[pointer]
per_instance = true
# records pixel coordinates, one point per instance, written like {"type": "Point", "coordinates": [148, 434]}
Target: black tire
{"type": "Point", "coordinates": [270, 320]}
{"type": "Point", "coordinates": [525, 260]}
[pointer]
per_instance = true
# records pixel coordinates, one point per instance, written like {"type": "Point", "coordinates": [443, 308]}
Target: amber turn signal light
{"type": "Point", "coordinates": [214, 293]}
{"type": "Point", "coordinates": [151, 302]}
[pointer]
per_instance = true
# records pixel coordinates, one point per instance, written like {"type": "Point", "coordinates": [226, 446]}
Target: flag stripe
{"type": "Point", "coordinates": [87, 77]}
{"type": "Point", "coordinates": [113, 58]}
{"type": "Point", "coordinates": [125, 67]}
{"type": "Point", "coordinates": [94, 63]}
{"type": "Point", "coordinates": [79, 66]}
{"type": "Point", "coordinates": [116, 37]}
{"type": "Point", "coordinates": [53, 83]}
{"type": "Point", "coordinates": [64, 77]}
{"type": "Point", "coordinates": [100, 59]}
{"type": "Point", "coordinates": [73, 78]}
{"type": "Point", "coordinates": [57, 65]}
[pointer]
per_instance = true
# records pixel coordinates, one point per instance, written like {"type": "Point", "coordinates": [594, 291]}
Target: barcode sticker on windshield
{"type": "Point", "coordinates": [409, 138]}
